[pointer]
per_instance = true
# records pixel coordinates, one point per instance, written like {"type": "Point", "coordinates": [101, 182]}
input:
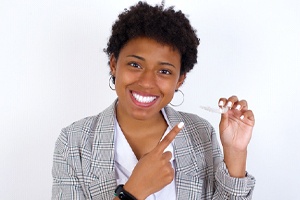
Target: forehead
{"type": "Point", "coordinates": [149, 46]}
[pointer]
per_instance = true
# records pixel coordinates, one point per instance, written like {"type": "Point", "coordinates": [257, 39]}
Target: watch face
{"type": "Point", "coordinates": [122, 195]}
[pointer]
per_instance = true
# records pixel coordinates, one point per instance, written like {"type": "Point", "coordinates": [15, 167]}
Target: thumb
{"type": "Point", "coordinates": [223, 122]}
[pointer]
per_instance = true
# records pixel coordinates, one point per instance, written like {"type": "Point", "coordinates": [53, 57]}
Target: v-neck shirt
{"type": "Point", "coordinates": [125, 161]}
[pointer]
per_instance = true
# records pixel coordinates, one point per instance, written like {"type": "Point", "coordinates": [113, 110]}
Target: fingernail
{"type": "Point", "coordinates": [229, 104]}
{"type": "Point", "coordinates": [180, 125]}
{"type": "Point", "coordinates": [242, 117]}
{"type": "Point", "coordinates": [221, 103]}
{"type": "Point", "coordinates": [238, 107]}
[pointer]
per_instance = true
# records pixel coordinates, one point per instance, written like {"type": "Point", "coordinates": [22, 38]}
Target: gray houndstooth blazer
{"type": "Point", "coordinates": [83, 163]}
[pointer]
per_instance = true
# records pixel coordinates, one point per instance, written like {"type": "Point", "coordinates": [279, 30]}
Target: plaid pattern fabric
{"type": "Point", "coordinates": [83, 162]}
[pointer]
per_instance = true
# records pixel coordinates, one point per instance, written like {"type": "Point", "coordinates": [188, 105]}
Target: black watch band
{"type": "Point", "coordinates": [123, 194]}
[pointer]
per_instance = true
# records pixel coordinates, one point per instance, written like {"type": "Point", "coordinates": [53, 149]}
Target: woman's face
{"type": "Point", "coordinates": [147, 74]}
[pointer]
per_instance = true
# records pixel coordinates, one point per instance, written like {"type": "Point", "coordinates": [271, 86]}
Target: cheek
{"type": "Point", "coordinates": [168, 88]}
{"type": "Point", "coordinates": [124, 78]}
{"type": "Point", "coordinates": [168, 85]}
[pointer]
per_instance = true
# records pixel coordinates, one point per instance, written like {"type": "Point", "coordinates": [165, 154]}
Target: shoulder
{"type": "Point", "coordinates": [192, 118]}
{"type": "Point", "coordinates": [81, 132]}
{"type": "Point", "coordinates": [76, 135]}
{"type": "Point", "coordinates": [80, 127]}
{"type": "Point", "coordinates": [197, 129]}
{"type": "Point", "coordinates": [189, 119]}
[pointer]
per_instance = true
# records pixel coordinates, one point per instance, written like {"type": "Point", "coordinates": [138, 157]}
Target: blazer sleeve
{"type": "Point", "coordinates": [232, 188]}
{"type": "Point", "coordinates": [227, 187]}
{"type": "Point", "coordinates": [66, 185]}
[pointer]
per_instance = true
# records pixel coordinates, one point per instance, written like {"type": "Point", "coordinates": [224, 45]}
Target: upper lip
{"type": "Point", "coordinates": [144, 94]}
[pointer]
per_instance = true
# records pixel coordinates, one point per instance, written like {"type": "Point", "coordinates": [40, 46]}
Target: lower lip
{"type": "Point", "coordinates": [142, 104]}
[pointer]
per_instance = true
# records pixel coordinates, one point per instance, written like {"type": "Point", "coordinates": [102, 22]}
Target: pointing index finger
{"type": "Point", "coordinates": [164, 143]}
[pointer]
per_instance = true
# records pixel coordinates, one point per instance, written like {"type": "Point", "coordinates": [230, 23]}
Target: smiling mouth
{"type": "Point", "coordinates": [143, 99]}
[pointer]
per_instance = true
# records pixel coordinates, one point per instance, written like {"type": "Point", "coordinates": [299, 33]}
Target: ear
{"type": "Point", "coordinates": [113, 64]}
{"type": "Point", "coordinates": [180, 80]}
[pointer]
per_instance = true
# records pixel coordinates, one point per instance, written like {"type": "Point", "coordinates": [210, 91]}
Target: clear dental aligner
{"type": "Point", "coordinates": [215, 110]}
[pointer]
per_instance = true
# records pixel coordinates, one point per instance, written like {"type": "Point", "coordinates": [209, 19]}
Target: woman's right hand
{"type": "Point", "coordinates": [154, 170]}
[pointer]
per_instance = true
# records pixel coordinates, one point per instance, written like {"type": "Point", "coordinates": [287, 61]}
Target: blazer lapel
{"type": "Point", "coordinates": [188, 184]}
{"type": "Point", "coordinates": [102, 161]}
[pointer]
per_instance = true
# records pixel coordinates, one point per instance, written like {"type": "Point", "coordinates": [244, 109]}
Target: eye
{"type": "Point", "coordinates": [135, 65]}
{"type": "Point", "coordinates": [165, 71]}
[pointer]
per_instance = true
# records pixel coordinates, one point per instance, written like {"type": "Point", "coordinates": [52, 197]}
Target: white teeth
{"type": "Point", "coordinates": [143, 99]}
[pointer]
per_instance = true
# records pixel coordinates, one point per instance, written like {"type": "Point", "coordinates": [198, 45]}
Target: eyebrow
{"type": "Point", "coordinates": [143, 59]}
{"type": "Point", "coordinates": [138, 57]}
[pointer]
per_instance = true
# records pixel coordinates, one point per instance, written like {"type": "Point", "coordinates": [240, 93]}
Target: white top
{"type": "Point", "coordinates": [125, 161]}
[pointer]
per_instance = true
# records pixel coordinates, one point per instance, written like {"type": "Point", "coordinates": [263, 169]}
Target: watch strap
{"type": "Point", "coordinates": [123, 194]}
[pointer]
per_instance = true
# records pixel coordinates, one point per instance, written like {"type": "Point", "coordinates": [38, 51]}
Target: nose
{"type": "Point", "coordinates": [147, 79]}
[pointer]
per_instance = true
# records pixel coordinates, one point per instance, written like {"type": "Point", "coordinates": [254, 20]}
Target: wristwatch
{"type": "Point", "coordinates": [123, 194]}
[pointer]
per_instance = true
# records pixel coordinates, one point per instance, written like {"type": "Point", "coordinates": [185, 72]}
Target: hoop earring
{"type": "Point", "coordinates": [111, 80]}
{"type": "Point", "coordinates": [176, 105]}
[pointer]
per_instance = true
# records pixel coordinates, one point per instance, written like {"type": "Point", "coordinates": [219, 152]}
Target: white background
{"type": "Point", "coordinates": [53, 72]}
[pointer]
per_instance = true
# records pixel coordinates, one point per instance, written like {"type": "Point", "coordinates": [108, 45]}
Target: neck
{"type": "Point", "coordinates": [131, 126]}
{"type": "Point", "coordinates": [142, 135]}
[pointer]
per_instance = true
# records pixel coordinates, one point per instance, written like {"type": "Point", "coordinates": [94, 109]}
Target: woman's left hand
{"type": "Point", "coordinates": [235, 127]}
{"type": "Point", "coordinates": [236, 124]}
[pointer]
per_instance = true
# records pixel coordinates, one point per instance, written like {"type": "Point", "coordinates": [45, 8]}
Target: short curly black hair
{"type": "Point", "coordinates": [166, 26]}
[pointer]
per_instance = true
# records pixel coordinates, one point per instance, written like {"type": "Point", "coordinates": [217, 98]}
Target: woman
{"type": "Point", "coordinates": [139, 147]}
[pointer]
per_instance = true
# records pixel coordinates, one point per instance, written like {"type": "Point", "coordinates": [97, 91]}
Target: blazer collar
{"type": "Point", "coordinates": [102, 160]}
{"type": "Point", "coordinates": [103, 144]}
{"type": "Point", "coordinates": [185, 159]}
{"type": "Point", "coordinates": [184, 153]}
{"type": "Point", "coordinates": [188, 184]}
